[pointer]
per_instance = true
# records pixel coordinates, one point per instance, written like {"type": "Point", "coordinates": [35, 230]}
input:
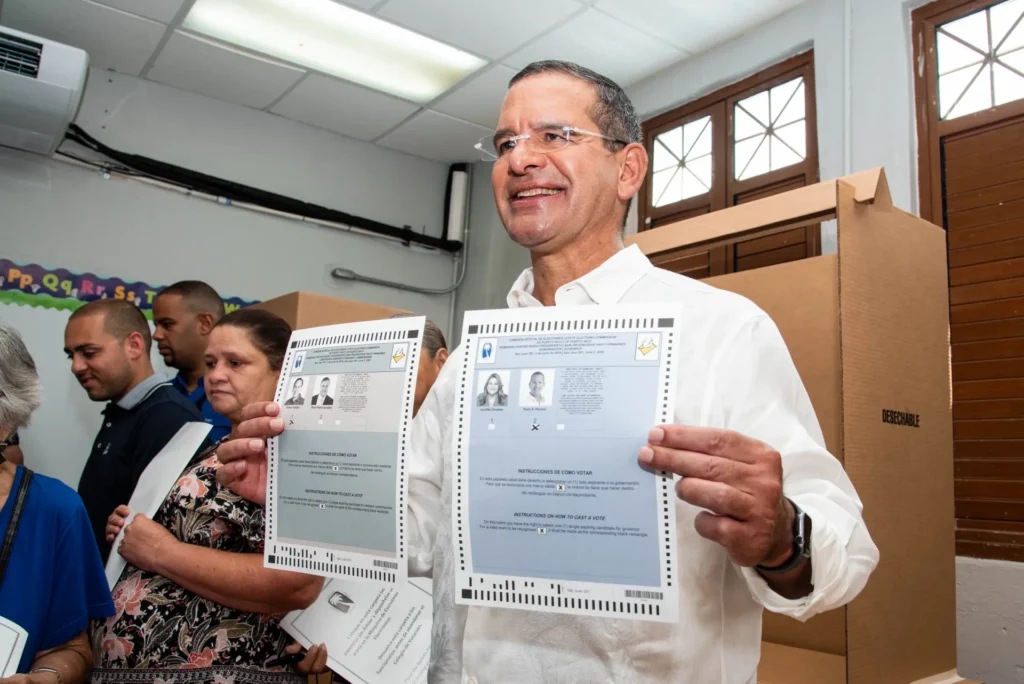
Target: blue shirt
{"type": "Point", "coordinates": [55, 581]}
{"type": "Point", "coordinates": [221, 425]}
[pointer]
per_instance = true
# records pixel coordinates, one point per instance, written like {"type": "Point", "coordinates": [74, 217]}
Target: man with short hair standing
{"type": "Point", "coordinates": [766, 517]}
{"type": "Point", "coordinates": [108, 343]}
{"type": "Point", "coordinates": [184, 314]}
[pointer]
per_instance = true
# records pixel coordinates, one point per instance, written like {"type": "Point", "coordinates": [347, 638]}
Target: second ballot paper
{"type": "Point", "coordinates": [337, 475]}
{"type": "Point", "coordinates": [552, 510]}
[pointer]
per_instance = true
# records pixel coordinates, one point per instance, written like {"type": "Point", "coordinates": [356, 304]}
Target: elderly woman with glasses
{"type": "Point", "coordinates": [53, 582]}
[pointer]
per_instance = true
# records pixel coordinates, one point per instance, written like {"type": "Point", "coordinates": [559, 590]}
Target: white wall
{"type": "Point", "coordinates": [990, 620]}
{"type": "Point", "coordinates": [494, 260]}
{"type": "Point", "coordinates": [59, 215]}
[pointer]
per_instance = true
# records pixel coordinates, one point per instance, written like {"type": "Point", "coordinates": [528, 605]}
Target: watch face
{"type": "Point", "coordinates": [802, 534]}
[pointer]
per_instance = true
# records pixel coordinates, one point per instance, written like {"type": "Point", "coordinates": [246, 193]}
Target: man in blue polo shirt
{"type": "Point", "coordinates": [184, 314]}
{"type": "Point", "coordinates": [108, 342]}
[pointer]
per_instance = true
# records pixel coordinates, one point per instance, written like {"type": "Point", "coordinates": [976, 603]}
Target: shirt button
{"type": "Point", "coordinates": [470, 680]}
{"type": "Point", "coordinates": [108, 424]}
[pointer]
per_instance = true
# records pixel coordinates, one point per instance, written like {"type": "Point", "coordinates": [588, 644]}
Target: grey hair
{"type": "Point", "coordinates": [20, 389]}
{"type": "Point", "coordinates": [614, 112]}
{"type": "Point", "coordinates": [433, 338]}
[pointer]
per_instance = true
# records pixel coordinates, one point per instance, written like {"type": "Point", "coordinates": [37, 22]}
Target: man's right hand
{"type": "Point", "coordinates": [244, 458]}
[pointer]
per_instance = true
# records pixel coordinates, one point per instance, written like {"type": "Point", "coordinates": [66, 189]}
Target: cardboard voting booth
{"type": "Point", "coordinates": [310, 310]}
{"type": "Point", "coordinates": [868, 329]}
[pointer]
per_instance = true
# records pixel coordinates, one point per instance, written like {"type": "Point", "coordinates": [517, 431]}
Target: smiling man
{"type": "Point", "coordinates": [767, 518]}
{"type": "Point", "coordinates": [108, 343]}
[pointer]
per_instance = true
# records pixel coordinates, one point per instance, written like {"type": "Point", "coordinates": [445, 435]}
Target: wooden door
{"type": "Point", "coordinates": [983, 196]}
{"type": "Point", "coordinates": [969, 85]}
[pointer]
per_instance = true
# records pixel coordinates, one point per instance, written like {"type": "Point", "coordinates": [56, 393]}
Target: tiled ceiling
{"type": "Point", "coordinates": [626, 40]}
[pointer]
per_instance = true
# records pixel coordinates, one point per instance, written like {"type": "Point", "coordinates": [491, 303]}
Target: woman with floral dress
{"type": "Point", "coordinates": [194, 603]}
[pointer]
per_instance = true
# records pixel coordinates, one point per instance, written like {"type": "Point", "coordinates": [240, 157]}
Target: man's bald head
{"type": "Point", "coordinates": [198, 296]}
{"type": "Point", "coordinates": [120, 319]}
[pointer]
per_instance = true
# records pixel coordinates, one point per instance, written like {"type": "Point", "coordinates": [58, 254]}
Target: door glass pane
{"type": "Point", "coordinates": [663, 158]}
{"type": "Point", "coordinates": [955, 55]}
{"type": "Point", "coordinates": [697, 138]}
{"type": "Point", "coordinates": [763, 147]}
{"type": "Point", "coordinates": [1014, 41]}
{"type": "Point", "coordinates": [972, 29]}
{"type": "Point", "coordinates": [1004, 18]}
{"type": "Point", "coordinates": [980, 60]}
{"type": "Point", "coordinates": [746, 126]}
{"type": "Point", "coordinates": [977, 97]}
{"type": "Point", "coordinates": [701, 170]}
{"type": "Point", "coordinates": [794, 135]}
{"type": "Point", "coordinates": [682, 163]}
{"type": "Point", "coordinates": [692, 187]}
{"type": "Point", "coordinates": [666, 187]}
{"type": "Point", "coordinates": [781, 155]}
{"type": "Point", "coordinates": [1009, 85]}
{"type": "Point", "coordinates": [794, 110]}
{"type": "Point", "coordinates": [953, 86]}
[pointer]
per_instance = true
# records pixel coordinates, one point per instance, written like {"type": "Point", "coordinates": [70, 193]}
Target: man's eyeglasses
{"type": "Point", "coordinates": [542, 139]}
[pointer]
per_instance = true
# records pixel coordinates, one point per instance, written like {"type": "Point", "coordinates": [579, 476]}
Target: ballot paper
{"type": "Point", "coordinates": [12, 646]}
{"type": "Point", "coordinates": [336, 480]}
{"type": "Point", "coordinates": [552, 510]}
{"type": "Point", "coordinates": [154, 483]}
{"type": "Point", "coordinates": [374, 634]}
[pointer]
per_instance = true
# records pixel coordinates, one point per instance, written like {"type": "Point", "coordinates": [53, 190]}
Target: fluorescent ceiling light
{"type": "Point", "coordinates": [326, 36]}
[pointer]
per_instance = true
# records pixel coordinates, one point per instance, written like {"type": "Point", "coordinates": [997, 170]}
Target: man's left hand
{"type": "Point", "coordinates": [738, 479]}
{"type": "Point", "coordinates": [146, 544]}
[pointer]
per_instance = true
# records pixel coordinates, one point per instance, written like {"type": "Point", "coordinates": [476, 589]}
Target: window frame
{"type": "Point", "coordinates": [720, 105]}
{"type": "Point", "coordinates": [930, 128]}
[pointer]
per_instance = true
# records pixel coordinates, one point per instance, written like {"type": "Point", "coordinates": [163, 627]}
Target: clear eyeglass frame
{"type": "Point", "coordinates": [543, 139]}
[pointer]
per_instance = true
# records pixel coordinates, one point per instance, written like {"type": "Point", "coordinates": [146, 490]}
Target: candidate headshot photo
{"type": "Point", "coordinates": [535, 387]}
{"type": "Point", "coordinates": [324, 397]}
{"type": "Point", "coordinates": [493, 389]}
{"type": "Point", "coordinates": [296, 399]}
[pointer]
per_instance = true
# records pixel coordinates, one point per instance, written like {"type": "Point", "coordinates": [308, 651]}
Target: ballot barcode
{"type": "Point", "coordinates": [636, 593]}
{"type": "Point", "coordinates": [385, 564]}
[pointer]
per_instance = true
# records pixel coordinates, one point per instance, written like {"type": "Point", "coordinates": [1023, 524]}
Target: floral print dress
{"type": "Point", "coordinates": [164, 633]}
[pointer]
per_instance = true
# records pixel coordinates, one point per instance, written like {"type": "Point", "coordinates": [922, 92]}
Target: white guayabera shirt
{"type": "Point", "coordinates": [735, 372]}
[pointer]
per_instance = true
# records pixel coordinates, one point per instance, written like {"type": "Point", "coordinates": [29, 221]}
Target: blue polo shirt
{"type": "Point", "coordinates": [55, 581]}
{"type": "Point", "coordinates": [221, 425]}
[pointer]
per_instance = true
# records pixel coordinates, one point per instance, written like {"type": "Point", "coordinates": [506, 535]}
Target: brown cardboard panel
{"type": "Point", "coordinates": [309, 310]}
{"type": "Point", "coordinates": [802, 298]}
{"type": "Point", "coordinates": [951, 677]}
{"type": "Point", "coordinates": [787, 665]}
{"type": "Point", "coordinates": [825, 632]}
{"type": "Point", "coordinates": [895, 356]}
{"type": "Point", "coordinates": [802, 206]}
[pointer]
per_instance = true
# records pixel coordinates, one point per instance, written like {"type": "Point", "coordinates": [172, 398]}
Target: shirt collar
{"type": "Point", "coordinates": [136, 395]}
{"type": "Point", "coordinates": [606, 284]}
{"type": "Point", "coordinates": [179, 381]}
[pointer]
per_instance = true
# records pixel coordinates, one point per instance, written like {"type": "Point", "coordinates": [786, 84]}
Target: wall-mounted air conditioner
{"type": "Point", "coordinates": [41, 86]}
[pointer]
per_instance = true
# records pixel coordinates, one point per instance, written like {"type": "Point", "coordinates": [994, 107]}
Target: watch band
{"type": "Point", "coordinates": [801, 543]}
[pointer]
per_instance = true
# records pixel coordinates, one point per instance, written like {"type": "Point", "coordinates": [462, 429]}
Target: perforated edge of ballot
{"type": "Point", "coordinates": [321, 559]}
{"type": "Point", "coordinates": [649, 603]}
